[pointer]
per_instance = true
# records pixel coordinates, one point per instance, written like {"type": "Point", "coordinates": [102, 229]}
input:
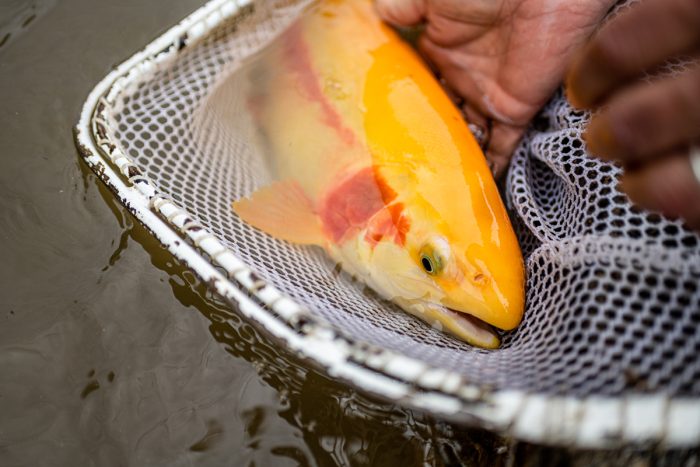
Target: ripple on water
{"type": "Point", "coordinates": [18, 15]}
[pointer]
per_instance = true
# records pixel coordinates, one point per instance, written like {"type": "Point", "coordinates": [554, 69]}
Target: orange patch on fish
{"type": "Point", "coordinates": [389, 223]}
{"type": "Point", "coordinates": [388, 193]}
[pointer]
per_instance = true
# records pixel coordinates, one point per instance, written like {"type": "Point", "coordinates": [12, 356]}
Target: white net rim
{"type": "Point", "coordinates": [592, 422]}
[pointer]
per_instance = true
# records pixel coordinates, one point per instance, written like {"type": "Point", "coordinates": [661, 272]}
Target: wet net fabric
{"type": "Point", "coordinates": [613, 299]}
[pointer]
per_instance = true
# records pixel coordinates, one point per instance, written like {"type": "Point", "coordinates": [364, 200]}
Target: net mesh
{"type": "Point", "coordinates": [613, 302]}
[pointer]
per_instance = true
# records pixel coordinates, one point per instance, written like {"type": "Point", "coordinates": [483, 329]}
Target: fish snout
{"type": "Point", "coordinates": [482, 297]}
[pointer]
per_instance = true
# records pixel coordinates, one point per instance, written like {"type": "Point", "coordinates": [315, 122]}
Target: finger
{"type": "Point", "coordinates": [647, 120]}
{"type": "Point", "coordinates": [401, 12]}
{"type": "Point", "coordinates": [504, 140]}
{"type": "Point", "coordinates": [667, 186]}
{"type": "Point", "coordinates": [479, 125]}
{"type": "Point", "coordinates": [454, 97]}
{"type": "Point", "coordinates": [482, 94]}
{"type": "Point", "coordinates": [645, 36]}
{"type": "Point", "coordinates": [455, 75]}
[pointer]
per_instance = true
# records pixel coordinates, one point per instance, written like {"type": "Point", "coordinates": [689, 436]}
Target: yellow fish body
{"type": "Point", "coordinates": [377, 166]}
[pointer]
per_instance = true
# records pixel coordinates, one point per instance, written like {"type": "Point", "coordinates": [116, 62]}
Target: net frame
{"type": "Point", "coordinates": [543, 418]}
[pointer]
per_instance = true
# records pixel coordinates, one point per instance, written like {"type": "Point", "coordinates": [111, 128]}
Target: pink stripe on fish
{"type": "Point", "coordinates": [299, 61]}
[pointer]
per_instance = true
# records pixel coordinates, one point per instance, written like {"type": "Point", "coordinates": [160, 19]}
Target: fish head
{"type": "Point", "coordinates": [475, 279]}
{"type": "Point", "coordinates": [451, 281]}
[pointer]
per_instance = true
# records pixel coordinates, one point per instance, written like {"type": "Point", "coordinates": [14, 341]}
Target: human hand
{"type": "Point", "coordinates": [649, 126]}
{"type": "Point", "coordinates": [505, 58]}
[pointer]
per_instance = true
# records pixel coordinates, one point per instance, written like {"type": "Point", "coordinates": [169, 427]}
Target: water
{"type": "Point", "coordinates": [111, 353]}
{"type": "Point", "coordinates": [108, 352]}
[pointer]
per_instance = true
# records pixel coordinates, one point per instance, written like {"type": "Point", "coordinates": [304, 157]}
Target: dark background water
{"type": "Point", "coordinates": [110, 352]}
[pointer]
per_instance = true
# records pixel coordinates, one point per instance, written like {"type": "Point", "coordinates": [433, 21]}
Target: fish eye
{"type": "Point", "coordinates": [433, 256]}
{"type": "Point", "coordinates": [428, 264]}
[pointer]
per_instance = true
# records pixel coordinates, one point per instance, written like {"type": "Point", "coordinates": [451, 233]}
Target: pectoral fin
{"type": "Point", "coordinates": [284, 211]}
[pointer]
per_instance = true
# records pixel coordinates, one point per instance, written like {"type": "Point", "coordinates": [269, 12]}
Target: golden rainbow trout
{"type": "Point", "coordinates": [376, 165]}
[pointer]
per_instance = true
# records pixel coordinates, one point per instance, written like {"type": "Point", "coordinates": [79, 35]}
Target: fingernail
{"type": "Point", "coordinates": [572, 95]}
{"type": "Point", "coordinates": [493, 168]}
{"type": "Point", "coordinates": [479, 134]}
{"type": "Point", "coordinates": [637, 188]}
{"type": "Point", "coordinates": [579, 90]}
{"type": "Point", "coordinates": [600, 138]}
{"type": "Point", "coordinates": [574, 85]}
{"type": "Point", "coordinates": [584, 83]}
{"type": "Point", "coordinates": [627, 184]}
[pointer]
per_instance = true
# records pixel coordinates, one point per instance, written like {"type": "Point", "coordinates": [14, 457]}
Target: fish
{"type": "Point", "coordinates": [375, 164]}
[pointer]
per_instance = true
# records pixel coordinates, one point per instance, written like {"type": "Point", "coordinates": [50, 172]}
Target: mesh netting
{"type": "Point", "coordinates": [613, 301]}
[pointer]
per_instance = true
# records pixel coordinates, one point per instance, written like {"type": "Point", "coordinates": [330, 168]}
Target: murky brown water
{"type": "Point", "coordinates": [110, 352]}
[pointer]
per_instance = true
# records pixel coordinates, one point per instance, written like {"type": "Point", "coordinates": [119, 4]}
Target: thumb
{"type": "Point", "coordinates": [401, 12]}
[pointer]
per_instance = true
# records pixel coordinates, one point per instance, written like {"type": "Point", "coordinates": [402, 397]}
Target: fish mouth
{"type": "Point", "coordinates": [461, 325]}
{"type": "Point", "coordinates": [469, 328]}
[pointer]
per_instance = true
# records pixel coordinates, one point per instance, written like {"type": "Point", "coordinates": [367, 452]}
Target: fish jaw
{"type": "Point", "coordinates": [461, 325]}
